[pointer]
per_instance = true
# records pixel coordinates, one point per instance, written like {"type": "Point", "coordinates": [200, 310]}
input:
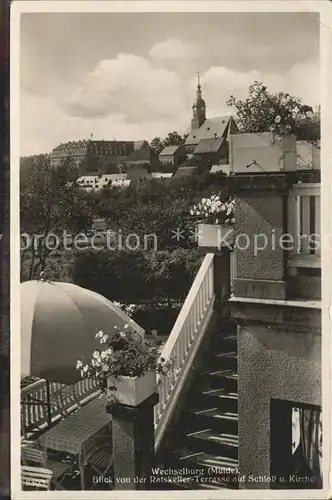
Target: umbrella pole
{"type": "Point", "coordinates": [48, 396]}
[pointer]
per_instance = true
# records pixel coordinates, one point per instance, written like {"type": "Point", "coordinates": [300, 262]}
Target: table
{"type": "Point", "coordinates": [77, 433]}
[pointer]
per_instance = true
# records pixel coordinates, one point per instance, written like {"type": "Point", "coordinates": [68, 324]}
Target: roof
{"type": "Point", "coordinates": [208, 130]}
{"type": "Point", "coordinates": [113, 177]}
{"type": "Point", "coordinates": [215, 169]}
{"type": "Point", "coordinates": [182, 171]}
{"type": "Point", "coordinates": [139, 144]}
{"type": "Point", "coordinates": [87, 178]}
{"type": "Point", "coordinates": [206, 146]}
{"type": "Point", "coordinates": [169, 150]}
{"type": "Point", "coordinates": [139, 155]}
{"type": "Point", "coordinates": [161, 175]}
{"type": "Point", "coordinates": [121, 183]}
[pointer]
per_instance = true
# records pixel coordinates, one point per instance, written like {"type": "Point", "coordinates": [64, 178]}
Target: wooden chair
{"type": "Point", "coordinates": [37, 456]}
{"type": "Point", "coordinates": [101, 461]}
{"type": "Point", "coordinates": [35, 478]}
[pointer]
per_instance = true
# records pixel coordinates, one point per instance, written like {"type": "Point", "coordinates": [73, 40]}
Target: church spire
{"type": "Point", "coordinates": [199, 108]}
{"type": "Point", "coordinates": [199, 88]}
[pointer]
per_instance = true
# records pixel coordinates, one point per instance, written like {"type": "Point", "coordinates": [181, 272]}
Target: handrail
{"type": "Point", "coordinates": [40, 403]}
{"type": "Point", "coordinates": [183, 343]}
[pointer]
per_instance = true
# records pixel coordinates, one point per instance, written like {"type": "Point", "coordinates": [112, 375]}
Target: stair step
{"type": "Point", "coordinates": [220, 393]}
{"type": "Point", "coordinates": [229, 374]}
{"type": "Point", "coordinates": [216, 413]}
{"type": "Point", "coordinates": [220, 465]}
{"type": "Point", "coordinates": [209, 435]}
{"type": "Point", "coordinates": [231, 355]}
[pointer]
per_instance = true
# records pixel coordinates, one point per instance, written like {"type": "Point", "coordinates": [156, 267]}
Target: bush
{"type": "Point", "coordinates": [135, 277]}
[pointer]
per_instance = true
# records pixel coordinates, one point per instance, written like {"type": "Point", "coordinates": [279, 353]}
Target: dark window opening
{"type": "Point", "coordinates": [296, 445]}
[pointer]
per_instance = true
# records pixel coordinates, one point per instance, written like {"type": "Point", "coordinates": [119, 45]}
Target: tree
{"type": "Point", "coordinates": [174, 139]}
{"type": "Point", "coordinates": [263, 111]}
{"type": "Point", "coordinates": [137, 277]}
{"type": "Point", "coordinates": [156, 145]}
{"type": "Point", "coordinates": [50, 202]}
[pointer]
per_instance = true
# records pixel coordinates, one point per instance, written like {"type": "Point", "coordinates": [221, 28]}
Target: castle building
{"type": "Point", "coordinates": [111, 151]}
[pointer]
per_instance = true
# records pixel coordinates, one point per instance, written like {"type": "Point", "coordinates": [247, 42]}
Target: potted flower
{"type": "Point", "coordinates": [215, 221]}
{"type": "Point", "coordinates": [125, 366]}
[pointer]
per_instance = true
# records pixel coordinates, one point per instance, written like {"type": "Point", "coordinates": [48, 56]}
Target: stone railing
{"type": "Point", "coordinates": [304, 224]}
{"type": "Point", "coordinates": [183, 343]}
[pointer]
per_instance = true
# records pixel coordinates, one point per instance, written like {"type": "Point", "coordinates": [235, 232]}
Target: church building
{"type": "Point", "coordinates": [208, 138]}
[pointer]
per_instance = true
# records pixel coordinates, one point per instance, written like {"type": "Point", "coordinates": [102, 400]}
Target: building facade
{"type": "Point", "coordinates": [78, 151]}
{"type": "Point", "coordinates": [171, 155]}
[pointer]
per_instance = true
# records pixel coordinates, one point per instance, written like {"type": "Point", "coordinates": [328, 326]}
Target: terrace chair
{"type": "Point", "coordinates": [35, 478]}
{"type": "Point", "coordinates": [60, 470]}
{"type": "Point", "coordinates": [101, 461]}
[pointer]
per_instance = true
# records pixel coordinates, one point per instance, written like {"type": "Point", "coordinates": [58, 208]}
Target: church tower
{"type": "Point", "coordinates": [199, 108]}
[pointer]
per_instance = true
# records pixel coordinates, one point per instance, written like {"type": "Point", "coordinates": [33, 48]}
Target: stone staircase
{"type": "Point", "coordinates": [205, 438]}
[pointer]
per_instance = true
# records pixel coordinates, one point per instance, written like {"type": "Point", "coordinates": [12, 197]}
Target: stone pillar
{"type": "Point", "coordinates": [133, 444]}
{"type": "Point", "coordinates": [261, 218]}
{"type": "Point", "coordinates": [222, 287]}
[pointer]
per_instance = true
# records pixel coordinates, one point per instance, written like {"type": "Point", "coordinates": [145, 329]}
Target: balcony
{"type": "Point", "coordinates": [304, 225]}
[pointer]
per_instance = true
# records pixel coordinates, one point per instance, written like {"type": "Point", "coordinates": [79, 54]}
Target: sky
{"type": "Point", "coordinates": [132, 76]}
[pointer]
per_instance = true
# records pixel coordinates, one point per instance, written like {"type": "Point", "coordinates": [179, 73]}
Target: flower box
{"type": "Point", "coordinates": [215, 235]}
{"type": "Point", "coordinates": [131, 390]}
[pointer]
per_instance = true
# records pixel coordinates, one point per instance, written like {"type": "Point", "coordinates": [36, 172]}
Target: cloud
{"type": "Point", "coordinates": [173, 48]}
{"type": "Point", "coordinates": [132, 97]}
{"type": "Point", "coordinates": [218, 82]}
{"type": "Point", "coordinates": [129, 86]}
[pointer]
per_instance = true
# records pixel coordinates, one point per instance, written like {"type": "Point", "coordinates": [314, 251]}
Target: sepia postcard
{"type": "Point", "coordinates": [170, 249]}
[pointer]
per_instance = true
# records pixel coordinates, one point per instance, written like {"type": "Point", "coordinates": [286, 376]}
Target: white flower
{"type": "Point", "coordinates": [99, 335]}
{"type": "Point", "coordinates": [192, 212]}
{"type": "Point", "coordinates": [79, 365]}
{"type": "Point", "coordinates": [96, 354]}
{"type": "Point", "coordinates": [109, 351]}
{"type": "Point", "coordinates": [85, 369]}
{"type": "Point", "coordinates": [277, 119]}
{"type": "Point", "coordinates": [204, 200]}
{"type": "Point", "coordinates": [104, 339]}
{"type": "Point", "coordinates": [105, 368]}
{"type": "Point", "coordinates": [208, 202]}
{"type": "Point", "coordinates": [122, 334]}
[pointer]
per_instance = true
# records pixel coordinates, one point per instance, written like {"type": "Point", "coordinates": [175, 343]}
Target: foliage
{"type": "Point", "coordinates": [213, 211]}
{"type": "Point", "coordinates": [172, 139]}
{"type": "Point", "coordinates": [157, 145]}
{"type": "Point", "coordinates": [118, 275]}
{"type": "Point", "coordinates": [262, 110]}
{"type": "Point", "coordinates": [51, 202]}
{"type": "Point", "coordinates": [137, 277]}
{"type": "Point", "coordinates": [125, 353]}
{"type": "Point", "coordinates": [171, 274]}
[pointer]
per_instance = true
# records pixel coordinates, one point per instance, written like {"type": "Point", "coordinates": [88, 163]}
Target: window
{"type": "Point", "coordinates": [296, 445]}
